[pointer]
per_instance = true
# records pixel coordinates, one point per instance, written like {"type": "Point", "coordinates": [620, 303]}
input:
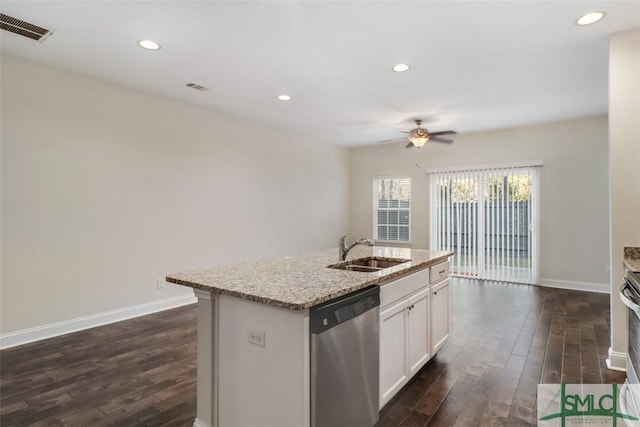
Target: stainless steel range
{"type": "Point", "coordinates": [630, 296]}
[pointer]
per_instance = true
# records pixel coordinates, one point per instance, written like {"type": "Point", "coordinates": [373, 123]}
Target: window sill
{"type": "Point", "coordinates": [392, 242]}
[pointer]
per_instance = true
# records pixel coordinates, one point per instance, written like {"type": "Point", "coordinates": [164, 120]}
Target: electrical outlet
{"type": "Point", "coordinates": [161, 283]}
{"type": "Point", "coordinates": [255, 337]}
{"type": "Point", "coordinates": [607, 270]}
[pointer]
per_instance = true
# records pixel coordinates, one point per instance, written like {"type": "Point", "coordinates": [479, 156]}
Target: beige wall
{"type": "Point", "coordinates": [574, 188]}
{"type": "Point", "coordinates": [105, 189]}
{"type": "Point", "coordinates": [624, 158]}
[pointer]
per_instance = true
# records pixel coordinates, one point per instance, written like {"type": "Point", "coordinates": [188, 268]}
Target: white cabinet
{"type": "Point", "coordinates": [393, 350]}
{"type": "Point", "coordinates": [404, 332]}
{"type": "Point", "coordinates": [439, 314]}
{"type": "Point", "coordinates": [418, 331]}
{"type": "Point", "coordinates": [414, 325]}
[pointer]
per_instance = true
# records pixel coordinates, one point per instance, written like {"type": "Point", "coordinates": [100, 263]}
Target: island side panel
{"type": "Point", "coordinates": [262, 385]}
{"type": "Point", "coordinates": [206, 409]}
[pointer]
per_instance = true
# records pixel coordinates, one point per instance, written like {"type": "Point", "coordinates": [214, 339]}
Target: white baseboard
{"type": "Point", "coordinates": [25, 336]}
{"type": "Point", "coordinates": [198, 423]}
{"type": "Point", "coordinates": [617, 361]}
{"type": "Point", "coordinates": [576, 286]}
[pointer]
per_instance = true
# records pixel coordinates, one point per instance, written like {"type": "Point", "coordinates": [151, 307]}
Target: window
{"type": "Point", "coordinates": [392, 209]}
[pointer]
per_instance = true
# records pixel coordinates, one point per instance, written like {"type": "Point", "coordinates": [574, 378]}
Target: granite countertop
{"type": "Point", "coordinates": [302, 281]}
{"type": "Point", "coordinates": [632, 258]}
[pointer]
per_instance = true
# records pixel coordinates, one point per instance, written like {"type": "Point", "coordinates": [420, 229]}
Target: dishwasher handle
{"type": "Point", "coordinates": [342, 309]}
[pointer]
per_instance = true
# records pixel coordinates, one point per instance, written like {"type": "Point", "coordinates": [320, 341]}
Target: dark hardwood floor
{"type": "Point", "coordinates": [505, 339]}
{"type": "Point", "coordinates": [136, 372]}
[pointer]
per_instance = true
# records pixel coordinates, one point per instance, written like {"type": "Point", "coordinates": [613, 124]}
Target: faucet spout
{"type": "Point", "coordinates": [344, 249]}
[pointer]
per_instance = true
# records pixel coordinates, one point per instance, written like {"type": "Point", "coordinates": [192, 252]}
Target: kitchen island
{"type": "Point", "coordinates": [253, 328]}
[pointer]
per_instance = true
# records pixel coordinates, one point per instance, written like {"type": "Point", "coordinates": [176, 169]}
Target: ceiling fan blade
{"type": "Point", "coordinates": [409, 145]}
{"type": "Point", "coordinates": [445, 132]}
{"type": "Point", "coordinates": [389, 141]}
{"type": "Point", "coordinates": [404, 131]}
{"type": "Point", "coordinates": [440, 139]}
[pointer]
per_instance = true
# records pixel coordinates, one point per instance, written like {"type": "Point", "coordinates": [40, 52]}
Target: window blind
{"type": "Point", "coordinates": [487, 217]}
{"type": "Point", "coordinates": [392, 209]}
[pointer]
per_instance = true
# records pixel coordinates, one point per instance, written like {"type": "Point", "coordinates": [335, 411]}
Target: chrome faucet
{"type": "Point", "coordinates": [344, 250]}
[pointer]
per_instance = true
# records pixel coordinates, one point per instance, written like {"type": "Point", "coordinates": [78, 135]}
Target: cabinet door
{"type": "Point", "coordinates": [418, 330]}
{"type": "Point", "coordinates": [439, 315]}
{"type": "Point", "coordinates": [393, 356]}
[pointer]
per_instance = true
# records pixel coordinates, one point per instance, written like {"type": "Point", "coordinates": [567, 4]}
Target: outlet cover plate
{"type": "Point", "coordinates": [256, 337]}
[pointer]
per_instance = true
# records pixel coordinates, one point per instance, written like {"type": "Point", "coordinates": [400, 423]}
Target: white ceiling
{"type": "Point", "coordinates": [476, 65]}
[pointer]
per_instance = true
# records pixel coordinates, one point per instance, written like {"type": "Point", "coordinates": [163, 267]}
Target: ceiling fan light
{"type": "Point", "coordinates": [418, 137]}
{"type": "Point", "coordinates": [419, 141]}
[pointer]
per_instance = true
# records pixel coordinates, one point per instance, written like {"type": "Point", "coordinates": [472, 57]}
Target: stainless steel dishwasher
{"type": "Point", "coordinates": [345, 335]}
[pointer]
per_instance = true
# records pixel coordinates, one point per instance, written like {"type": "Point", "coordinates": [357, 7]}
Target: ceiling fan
{"type": "Point", "coordinates": [419, 136]}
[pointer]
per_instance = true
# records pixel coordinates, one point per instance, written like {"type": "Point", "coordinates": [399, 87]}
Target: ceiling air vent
{"type": "Point", "coordinates": [197, 87]}
{"type": "Point", "coordinates": [23, 28]}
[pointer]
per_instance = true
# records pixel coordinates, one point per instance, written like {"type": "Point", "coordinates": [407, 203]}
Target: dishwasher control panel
{"type": "Point", "coordinates": [342, 309]}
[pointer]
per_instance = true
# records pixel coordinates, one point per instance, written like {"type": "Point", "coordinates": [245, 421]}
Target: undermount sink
{"type": "Point", "coordinates": [368, 265]}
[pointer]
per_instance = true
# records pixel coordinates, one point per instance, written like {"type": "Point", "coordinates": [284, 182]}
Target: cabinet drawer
{"type": "Point", "coordinates": [402, 287]}
{"type": "Point", "coordinates": [439, 272]}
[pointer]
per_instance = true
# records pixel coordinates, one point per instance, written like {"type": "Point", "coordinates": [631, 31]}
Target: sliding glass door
{"type": "Point", "coordinates": [488, 218]}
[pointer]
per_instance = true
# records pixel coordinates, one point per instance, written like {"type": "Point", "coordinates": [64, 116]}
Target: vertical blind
{"type": "Point", "coordinates": [392, 209]}
{"type": "Point", "coordinates": [487, 217]}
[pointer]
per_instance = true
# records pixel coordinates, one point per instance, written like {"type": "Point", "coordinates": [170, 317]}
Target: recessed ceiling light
{"type": "Point", "coordinates": [401, 68]}
{"type": "Point", "coordinates": [284, 97]}
{"type": "Point", "coordinates": [149, 44]}
{"type": "Point", "coordinates": [590, 18]}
